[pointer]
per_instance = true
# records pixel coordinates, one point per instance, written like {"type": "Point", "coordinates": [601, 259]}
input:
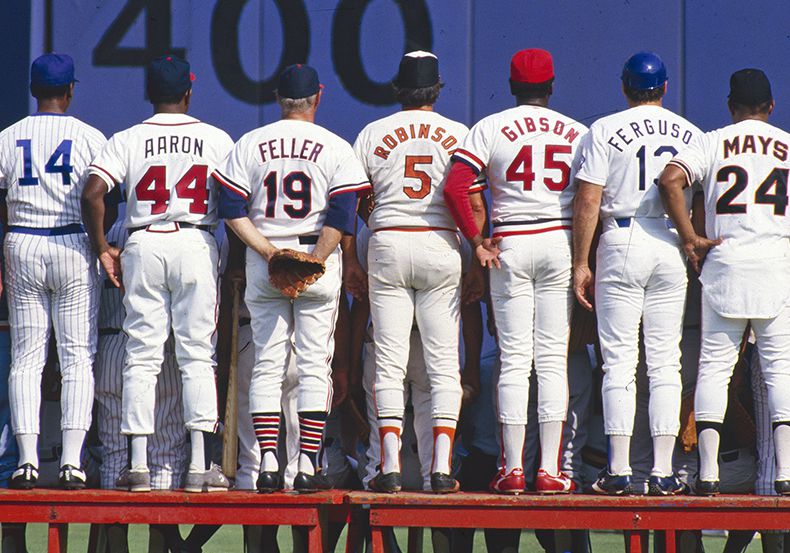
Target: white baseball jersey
{"type": "Point", "coordinates": [626, 152]}
{"type": "Point", "coordinates": [529, 153]}
{"type": "Point", "coordinates": [406, 156]}
{"type": "Point", "coordinates": [43, 159]}
{"type": "Point", "coordinates": [286, 171]}
{"type": "Point", "coordinates": [166, 162]}
{"type": "Point", "coordinates": [743, 169]}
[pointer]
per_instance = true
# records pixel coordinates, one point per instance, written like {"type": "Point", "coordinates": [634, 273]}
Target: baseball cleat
{"type": "Point", "coordinates": [613, 484]}
{"type": "Point", "coordinates": [782, 487]}
{"type": "Point", "coordinates": [307, 483]}
{"type": "Point", "coordinates": [72, 478]}
{"type": "Point", "coordinates": [269, 482]}
{"type": "Point", "coordinates": [24, 477]}
{"type": "Point", "coordinates": [511, 483]}
{"type": "Point", "coordinates": [133, 480]}
{"type": "Point", "coordinates": [386, 483]}
{"type": "Point", "coordinates": [666, 485]}
{"type": "Point", "coordinates": [547, 483]}
{"type": "Point", "coordinates": [444, 483]}
{"type": "Point", "coordinates": [211, 480]}
{"type": "Point", "coordinates": [706, 487]}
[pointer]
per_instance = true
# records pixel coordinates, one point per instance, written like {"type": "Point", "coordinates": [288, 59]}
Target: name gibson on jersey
{"type": "Point", "coordinates": [164, 145]}
{"type": "Point", "coordinates": [528, 125]}
{"type": "Point", "coordinates": [638, 129]}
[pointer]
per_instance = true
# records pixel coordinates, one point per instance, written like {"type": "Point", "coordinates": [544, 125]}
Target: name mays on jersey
{"type": "Point", "coordinates": [421, 131]}
{"type": "Point", "coordinates": [164, 145]}
{"type": "Point", "coordinates": [638, 129]}
{"type": "Point", "coordinates": [748, 145]}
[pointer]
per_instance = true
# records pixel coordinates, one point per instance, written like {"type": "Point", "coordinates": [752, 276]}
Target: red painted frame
{"type": "Point", "coordinates": [59, 508]}
{"type": "Point", "coordinates": [474, 510]}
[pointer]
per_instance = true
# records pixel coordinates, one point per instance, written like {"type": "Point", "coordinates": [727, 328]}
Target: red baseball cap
{"type": "Point", "coordinates": [531, 66]}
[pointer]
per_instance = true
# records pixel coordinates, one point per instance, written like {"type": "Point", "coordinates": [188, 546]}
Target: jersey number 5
{"type": "Point", "coordinates": [411, 172]}
{"type": "Point", "coordinates": [192, 186]}
{"type": "Point", "coordinates": [523, 159]}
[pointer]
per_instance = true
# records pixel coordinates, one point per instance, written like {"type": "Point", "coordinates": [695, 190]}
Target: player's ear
{"type": "Point", "coordinates": [188, 98]}
{"type": "Point", "coordinates": [318, 98]}
{"type": "Point", "coordinates": [771, 107]}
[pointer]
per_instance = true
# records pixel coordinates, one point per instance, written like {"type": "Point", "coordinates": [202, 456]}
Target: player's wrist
{"type": "Point", "coordinates": [476, 241]}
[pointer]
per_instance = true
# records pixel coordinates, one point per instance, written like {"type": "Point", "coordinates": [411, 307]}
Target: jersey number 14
{"type": "Point", "coordinates": [63, 151]}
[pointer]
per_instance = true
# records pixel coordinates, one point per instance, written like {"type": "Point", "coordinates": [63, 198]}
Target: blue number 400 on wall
{"type": "Point", "coordinates": [63, 151]}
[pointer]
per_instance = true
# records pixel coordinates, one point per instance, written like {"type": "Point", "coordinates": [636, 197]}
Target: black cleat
{"type": "Point", "coordinates": [782, 487]}
{"type": "Point", "coordinates": [269, 482]}
{"type": "Point", "coordinates": [386, 483]}
{"type": "Point", "coordinates": [706, 487]}
{"type": "Point", "coordinates": [24, 477]}
{"type": "Point", "coordinates": [307, 483]}
{"type": "Point", "coordinates": [666, 485]}
{"type": "Point", "coordinates": [72, 478]}
{"type": "Point", "coordinates": [444, 483]}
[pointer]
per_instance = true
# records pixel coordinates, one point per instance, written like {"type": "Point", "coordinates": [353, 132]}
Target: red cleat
{"type": "Point", "coordinates": [546, 483]}
{"type": "Point", "coordinates": [510, 483]}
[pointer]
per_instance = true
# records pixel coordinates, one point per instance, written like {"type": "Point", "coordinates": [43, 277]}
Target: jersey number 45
{"type": "Point", "coordinates": [520, 169]}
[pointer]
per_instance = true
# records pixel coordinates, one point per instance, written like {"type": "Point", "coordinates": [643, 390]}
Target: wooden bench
{"type": "Point", "coordinates": [58, 508]}
{"type": "Point", "coordinates": [637, 513]}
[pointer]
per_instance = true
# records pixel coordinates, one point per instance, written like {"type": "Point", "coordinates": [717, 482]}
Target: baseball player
{"type": "Point", "coordinates": [641, 274]}
{"type": "Point", "coordinates": [743, 169]}
{"type": "Point", "coordinates": [169, 263]}
{"type": "Point", "coordinates": [292, 184]}
{"type": "Point", "coordinates": [51, 273]}
{"type": "Point", "coordinates": [414, 264]}
{"type": "Point", "coordinates": [529, 155]}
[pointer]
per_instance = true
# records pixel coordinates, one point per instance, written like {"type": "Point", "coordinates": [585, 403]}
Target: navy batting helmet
{"type": "Point", "coordinates": [644, 71]}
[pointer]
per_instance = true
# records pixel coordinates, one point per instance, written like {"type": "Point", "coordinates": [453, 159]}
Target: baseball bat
{"type": "Point", "coordinates": [230, 439]}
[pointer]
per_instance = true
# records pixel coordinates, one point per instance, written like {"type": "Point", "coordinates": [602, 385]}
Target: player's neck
{"type": "Point", "coordinates": [52, 105]}
{"type": "Point", "coordinates": [308, 116]}
{"type": "Point", "coordinates": [738, 117]}
{"type": "Point", "coordinates": [632, 104]}
{"type": "Point", "coordinates": [170, 108]}
{"type": "Point", "coordinates": [540, 102]}
{"type": "Point", "coordinates": [427, 107]}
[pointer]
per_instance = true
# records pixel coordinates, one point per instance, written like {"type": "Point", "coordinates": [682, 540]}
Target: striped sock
{"type": "Point", "coordinates": [267, 428]}
{"type": "Point", "coordinates": [311, 434]}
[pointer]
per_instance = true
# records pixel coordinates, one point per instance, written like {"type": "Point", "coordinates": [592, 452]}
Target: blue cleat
{"type": "Point", "coordinates": [613, 484]}
{"type": "Point", "coordinates": [666, 485]}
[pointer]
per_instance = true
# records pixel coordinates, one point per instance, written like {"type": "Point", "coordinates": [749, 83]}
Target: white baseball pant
{"type": "Point", "coordinates": [167, 447]}
{"type": "Point", "coordinates": [171, 283]}
{"type": "Point", "coordinates": [531, 296]}
{"type": "Point", "coordinates": [416, 275]}
{"type": "Point", "coordinates": [249, 450]}
{"type": "Point", "coordinates": [51, 280]}
{"type": "Point", "coordinates": [721, 341]}
{"type": "Point", "coordinates": [417, 387]}
{"type": "Point", "coordinates": [640, 276]}
{"type": "Point", "coordinates": [306, 324]}
{"type": "Point", "coordinates": [766, 464]}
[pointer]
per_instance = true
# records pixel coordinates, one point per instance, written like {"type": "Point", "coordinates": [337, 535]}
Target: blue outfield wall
{"type": "Point", "coordinates": [236, 47]}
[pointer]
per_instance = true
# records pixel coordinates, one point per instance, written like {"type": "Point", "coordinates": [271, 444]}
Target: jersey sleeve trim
{"type": "Point", "coordinates": [229, 184]}
{"type": "Point", "coordinates": [685, 168]}
{"type": "Point", "coordinates": [478, 186]}
{"type": "Point", "coordinates": [103, 174]}
{"type": "Point", "coordinates": [355, 187]}
{"type": "Point", "coordinates": [470, 159]}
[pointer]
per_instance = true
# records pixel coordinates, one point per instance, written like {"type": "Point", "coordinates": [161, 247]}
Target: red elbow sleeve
{"type": "Point", "coordinates": [456, 196]}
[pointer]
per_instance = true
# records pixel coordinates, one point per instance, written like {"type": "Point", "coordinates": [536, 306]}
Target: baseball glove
{"type": "Point", "coordinates": [291, 271]}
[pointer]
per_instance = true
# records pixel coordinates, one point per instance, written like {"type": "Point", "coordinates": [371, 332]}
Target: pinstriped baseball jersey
{"type": "Point", "coordinates": [43, 159]}
{"type": "Point", "coordinates": [406, 156]}
{"type": "Point", "coordinates": [111, 310]}
{"type": "Point", "coordinates": [165, 161]}
{"type": "Point", "coordinates": [286, 171]}
{"type": "Point", "coordinates": [530, 155]}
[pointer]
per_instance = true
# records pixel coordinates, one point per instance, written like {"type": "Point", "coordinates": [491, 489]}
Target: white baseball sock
{"type": "Point", "coordinates": [782, 447]}
{"type": "Point", "coordinates": [389, 435]}
{"type": "Point", "coordinates": [269, 462]}
{"type": "Point", "coordinates": [708, 448]}
{"type": "Point", "coordinates": [28, 449]}
{"type": "Point", "coordinates": [663, 447]}
{"type": "Point", "coordinates": [513, 445]}
{"type": "Point", "coordinates": [139, 459]}
{"type": "Point", "coordinates": [619, 454]}
{"type": "Point", "coordinates": [197, 460]}
{"type": "Point", "coordinates": [443, 436]}
{"type": "Point", "coordinates": [72, 447]}
{"type": "Point", "coordinates": [550, 441]}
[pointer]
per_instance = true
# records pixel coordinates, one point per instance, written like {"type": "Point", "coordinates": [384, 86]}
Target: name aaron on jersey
{"type": "Point", "coordinates": [647, 127]}
{"type": "Point", "coordinates": [175, 144]}
{"type": "Point", "coordinates": [412, 132]}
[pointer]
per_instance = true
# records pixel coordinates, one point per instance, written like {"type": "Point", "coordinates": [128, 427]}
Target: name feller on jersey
{"type": "Point", "coordinates": [278, 148]}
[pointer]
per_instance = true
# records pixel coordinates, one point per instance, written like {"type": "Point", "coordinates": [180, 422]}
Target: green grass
{"type": "Point", "coordinates": [229, 540]}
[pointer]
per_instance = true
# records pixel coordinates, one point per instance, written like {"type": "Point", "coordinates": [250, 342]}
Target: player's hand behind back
{"type": "Point", "coordinates": [110, 260]}
{"type": "Point", "coordinates": [488, 252]}
{"type": "Point", "coordinates": [584, 286]}
{"type": "Point", "coordinates": [696, 248]}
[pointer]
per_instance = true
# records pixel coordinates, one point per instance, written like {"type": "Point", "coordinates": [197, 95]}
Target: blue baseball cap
{"type": "Point", "coordinates": [52, 70]}
{"type": "Point", "coordinates": [298, 81]}
{"type": "Point", "coordinates": [168, 77]}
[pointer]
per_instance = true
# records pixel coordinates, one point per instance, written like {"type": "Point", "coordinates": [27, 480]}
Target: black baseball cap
{"type": "Point", "coordinates": [168, 77]}
{"type": "Point", "coordinates": [417, 69]}
{"type": "Point", "coordinates": [51, 70]}
{"type": "Point", "coordinates": [750, 87]}
{"type": "Point", "coordinates": [298, 81]}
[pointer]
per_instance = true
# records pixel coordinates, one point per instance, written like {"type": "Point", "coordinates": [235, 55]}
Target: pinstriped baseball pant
{"type": "Point", "coordinates": [51, 280]}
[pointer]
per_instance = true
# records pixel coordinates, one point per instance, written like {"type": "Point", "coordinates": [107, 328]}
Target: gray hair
{"type": "Point", "coordinates": [297, 105]}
